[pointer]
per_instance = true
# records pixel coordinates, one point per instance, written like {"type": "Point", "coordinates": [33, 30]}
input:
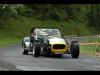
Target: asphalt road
{"type": "Point", "coordinates": [11, 58]}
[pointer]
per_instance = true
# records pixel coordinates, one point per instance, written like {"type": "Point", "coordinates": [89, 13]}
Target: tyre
{"type": "Point", "coordinates": [37, 50]}
{"type": "Point", "coordinates": [31, 39]}
{"type": "Point", "coordinates": [25, 52]}
{"type": "Point", "coordinates": [31, 47]}
{"type": "Point", "coordinates": [74, 49]}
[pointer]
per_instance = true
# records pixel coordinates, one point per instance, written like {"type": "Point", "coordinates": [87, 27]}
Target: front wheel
{"type": "Point", "coordinates": [74, 49]}
{"type": "Point", "coordinates": [36, 51]}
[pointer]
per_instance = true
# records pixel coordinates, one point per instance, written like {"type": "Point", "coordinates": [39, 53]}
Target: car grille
{"type": "Point", "coordinates": [59, 46]}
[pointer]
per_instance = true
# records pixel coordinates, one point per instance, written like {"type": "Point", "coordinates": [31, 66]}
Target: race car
{"type": "Point", "coordinates": [48, 41]}
{"type": "Point", "coordinates": [27, 45]}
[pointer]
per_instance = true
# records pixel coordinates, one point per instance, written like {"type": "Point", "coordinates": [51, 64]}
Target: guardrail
{"type": "Point", "coordinates": [88, 44]}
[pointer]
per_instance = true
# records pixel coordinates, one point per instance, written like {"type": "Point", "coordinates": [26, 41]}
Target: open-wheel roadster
{"type": "Point", "coordinates": [48, 41]}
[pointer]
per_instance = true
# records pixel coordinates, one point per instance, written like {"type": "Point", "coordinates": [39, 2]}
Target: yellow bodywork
{"type": "Point", "coordinates": [59, 51]}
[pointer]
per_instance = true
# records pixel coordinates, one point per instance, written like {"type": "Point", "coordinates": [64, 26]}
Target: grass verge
{"type": "Point", "coordinates": [8, 41]}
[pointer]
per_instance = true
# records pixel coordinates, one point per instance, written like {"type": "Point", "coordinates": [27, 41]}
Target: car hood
{"type": "Point", "coordinates": [56, 41]}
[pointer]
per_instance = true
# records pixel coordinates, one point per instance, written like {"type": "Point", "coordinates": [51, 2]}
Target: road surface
{"type": "Point", "coordinates": [11, 58]}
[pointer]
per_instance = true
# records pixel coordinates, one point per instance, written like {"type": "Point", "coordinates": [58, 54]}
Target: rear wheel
{"type": "Point", "coordinates": [25, 52]}
{"type": "Point", "coordinates": [74, 49]}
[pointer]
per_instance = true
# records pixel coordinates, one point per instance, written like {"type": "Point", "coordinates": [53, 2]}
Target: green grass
{"type": "Point", "coordinates": [90, 49]}
{"type": "Point", "coordinates": [19, 27]}
{"type": "Point", "coordinates": [8, 41]}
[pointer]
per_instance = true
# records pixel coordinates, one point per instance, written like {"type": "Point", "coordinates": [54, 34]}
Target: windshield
{"type": "Point", "coordinates": [45, 33]}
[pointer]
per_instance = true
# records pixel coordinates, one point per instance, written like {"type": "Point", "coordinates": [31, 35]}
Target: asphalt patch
{"type": "Point", "coordinates": [7, 66]}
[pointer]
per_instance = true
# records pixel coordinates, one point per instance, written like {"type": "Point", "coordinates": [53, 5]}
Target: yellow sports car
{"type": "Point", "coordinates": [47, 41]}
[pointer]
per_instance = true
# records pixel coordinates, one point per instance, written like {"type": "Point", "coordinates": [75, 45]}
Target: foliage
{"type": "Point", "coordinates": [87, 15]}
